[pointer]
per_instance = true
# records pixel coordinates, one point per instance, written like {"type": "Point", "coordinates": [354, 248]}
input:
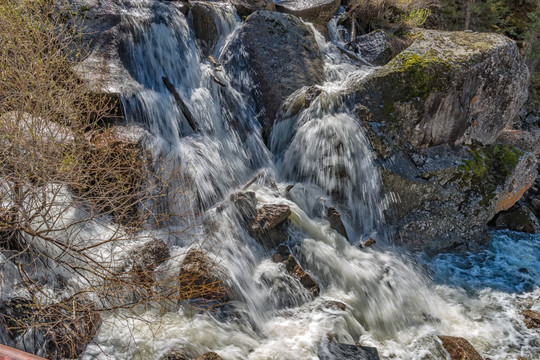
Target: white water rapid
{"type": "Point", "coordinates": [392, 301]}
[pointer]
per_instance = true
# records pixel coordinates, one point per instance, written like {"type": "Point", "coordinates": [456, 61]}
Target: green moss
{"type": "Point", "coordinates": [487, 168]}
{"type": "Point", "coordinates": [423, 73]}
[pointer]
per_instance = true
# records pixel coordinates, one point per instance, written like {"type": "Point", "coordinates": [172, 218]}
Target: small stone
{"type": "Point", "coordinates": [147, 258]}
{"type": "Point", "coordinates": [335, 305]}
{"type": "Point", "coordinates": [459, 348]}
{"type": "Point", "coordinates": [269, 225]}
{"type": "Point", "coordinates": [284, 256]}
{"type": "Point", "coordinates": [532, 319]}
{"type": "Point", "coordinates": [334, 218]}
{"type": "Point", "coordinates": [369, 242]}
{"type": "Point", "coordinates": [200, 278]}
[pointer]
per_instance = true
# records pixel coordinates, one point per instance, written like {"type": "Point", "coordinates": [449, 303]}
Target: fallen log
{"type": "Point", "coordinates": [182, 105]}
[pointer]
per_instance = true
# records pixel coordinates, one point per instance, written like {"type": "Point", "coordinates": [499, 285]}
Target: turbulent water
{"type": "Point", "coordinates": [394, 302]}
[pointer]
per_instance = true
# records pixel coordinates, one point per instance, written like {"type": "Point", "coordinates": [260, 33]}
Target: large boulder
{"type": "Point", "coordinates": [314, 11]}
{"type": "Point", "coordinates": [446, 88]}
{"type": "Point", "coordinates": [447, 195]}
{"type": "Point", "coordinates": [280, 55]}
{"type": "Point", "coordinates": [102, 67]}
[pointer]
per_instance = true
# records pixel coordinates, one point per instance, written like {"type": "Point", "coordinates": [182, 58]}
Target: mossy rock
{"type": "Point", "coordinates": [446, 88]}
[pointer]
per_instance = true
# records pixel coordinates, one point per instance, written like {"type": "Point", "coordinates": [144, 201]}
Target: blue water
{"type": "Point", "coordinates": [510, 263]}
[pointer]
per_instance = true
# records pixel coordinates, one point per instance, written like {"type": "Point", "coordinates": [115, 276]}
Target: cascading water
{"type": "Point", "coordinates": [373, 296]}
{"type": "Point", "coordinates": [322, 151]}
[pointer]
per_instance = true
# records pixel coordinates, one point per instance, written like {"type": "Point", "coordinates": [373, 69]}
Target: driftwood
{"type": "Point", "coordinates": [182, 105]}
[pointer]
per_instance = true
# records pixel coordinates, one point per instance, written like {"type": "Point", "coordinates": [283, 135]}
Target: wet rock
{"type": "Point", "coordinates": [333, 304]}
{"type": "Point", "coordinates": [269, 225]}
{"type": "Point", "coordinates": [283, 255]}
{"type": "Point", "coordinates": [518, 218]}
{"type": "Point", "coordinates": [333, 350]}
{"type": "Point", "coordinates": [201, 278]}
{"type": "Point", "coordinates": [174, 355]}
{"type": "Point", "coordinates": [209, 356]}
{"type": "Point", "coordinates": [374, 47]}
{"type": "Point", "coordinates": [202, 15]}
{"type": "Point", "coordinates": [532, 319]}
{"type": "Point", "coordinates": [459, 348]}
{"type": "Point", "coordinates": [369, 242]}
{"type": "Point", "coordinates": [314, 11]}
{"type": "Point", "coordinates": [446, 88]}
{"type": "Point", "coordinates": [447, 195]}
{"type": "Point", "coordinates": [247, 7]}
{"type": "Point", "coordinates": [245, 202]}
{"type": "Point", "coordinates": [147, 258]}
{"type": "Point", "coordinates": [280, 54]}
{"type": "Point", "coordinates": [334, 218]}
{"type": "Point", "coordinates": [103, 68]}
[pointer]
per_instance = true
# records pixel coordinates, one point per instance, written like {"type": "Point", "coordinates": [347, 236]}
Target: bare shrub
{"type": "Point", "coordinates": [76, 201]}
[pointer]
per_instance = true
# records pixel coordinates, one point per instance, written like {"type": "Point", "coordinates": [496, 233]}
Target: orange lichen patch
{"type": "Point", "coordinates": [473, 101]}
{"type": "Point", "coordinates": [509, 199]}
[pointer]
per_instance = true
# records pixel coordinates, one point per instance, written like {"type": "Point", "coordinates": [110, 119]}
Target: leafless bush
{"type": "Point", "coordinates": [75, 197]}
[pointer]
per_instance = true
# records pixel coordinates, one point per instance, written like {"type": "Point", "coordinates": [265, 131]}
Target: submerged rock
{"type": "Point", "coordinates": [174, 355]}
{"type": "Point", "coordinates": [446, 88]}
{"type": "Point", "coordinates": [459, 348]}
{"type": "Point", "coordinates": [205, 21]}
{"type": "Point", "coordinates": [333, 350]}
{"type": "Point", "coordinates": [280, 54]}
{"type": "Point", "coordinates": [245, 203]}
{"type": "Point", "coordinates": [284, 256]}
{"type": "Point", "coordinates": [314, 11]}
{"type": "Point", "coordinates": [269, 225]}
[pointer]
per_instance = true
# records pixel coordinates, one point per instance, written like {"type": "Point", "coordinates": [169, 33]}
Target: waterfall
{"type": "Point", "coordinates": [317, 157]}
{"type": "Point", "coordinates": [319, 149]}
